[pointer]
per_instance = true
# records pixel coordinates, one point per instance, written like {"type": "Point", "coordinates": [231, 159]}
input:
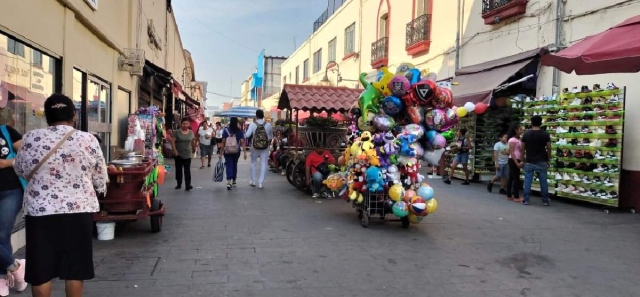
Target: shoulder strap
{"type": "Point", "coordinates": [51, 152]}
{"type": "Point", "coordinates": [7, 137]}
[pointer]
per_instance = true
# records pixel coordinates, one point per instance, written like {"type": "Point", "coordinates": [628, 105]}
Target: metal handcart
{"type": "Point", "coordinates": [372, 205]}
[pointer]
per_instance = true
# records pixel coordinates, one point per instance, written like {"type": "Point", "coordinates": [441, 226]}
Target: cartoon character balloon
{"type": "Point", "coordinates": [423, 91]}
{"type": "Point", "coordinates": [435, 119]}
{"type": "Point", "coordinates": [451, 119]}
{"type": "Point", "coordinates": [416, 130]}
{"type": "Point", "coordinates": [369, 98]}
{"type": "Point", "coordinates": [399, 86]}
{"type": "Point", "coordinates": [413, 75]}
{"type": "Point", "coordinates": [383, 85]}
{"type": "Point", "coordinates": [443, 98]}
{"type": "Point", "coordinates": [404, 68]}
{"type": "Point", "coordinates": [383, 122]}
{"type": "Point", "coordinates": [392, 105]}
{"type": "Point", "coordinates": [415, 114]}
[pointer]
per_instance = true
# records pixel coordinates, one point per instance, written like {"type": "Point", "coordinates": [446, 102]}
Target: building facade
{"type": "Point", "coordinates": [359, 36]}
{"type": "Point", "coordinates": [110, 57]}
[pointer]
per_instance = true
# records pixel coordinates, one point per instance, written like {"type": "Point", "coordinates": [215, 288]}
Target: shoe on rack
{"type": "Point", "coordinates": [585, 89]}
{"type": "Point", "coordinates": [558, 176]}
{"type": "Point", "coordinates": [611, 155]}
{"type": "Point", "coordinates": [607, 182]}
{"type": "Point", "coordinates": [569, 189]}
{"type": "Point", "coordinates": [588, 101]}
{"type": "Point", "coordinates": [571, 165]}
{"type": "Point", "coordinates": [599, 155]}
{"type": "Point", "coordinates": [614, 169]}
{"type": "Point", "coordinates": [575, 90]}
{"type": "Point", "coordinates": [561, 141]}
{"type": "Point", "coordinates": [559, 152]}
{"type": "Point", "coordinates": [585, 142]}
{"type": "Point", "coordinates": [567, 154]}
{"type": "Point", "coordinates": [599, 131]}
{"type": "Point", "coordinates": [576, 177]}
{"type": "Point", "coordinates": [602, 117]}
{"type": "Point", "coordinates": [601, 168]}
{"type": "Point", "coordinates": [585, 179]}
{"type": "Point", "coordinates": [611, 86]}
{"type": "Point", "coordinates": [566, 176]}
{"type": "Point", "coordinates": [613, 195]}
{"type": "Point", "coordinates": [585, 130]}
{"type": "Point", "coordinates": [578, 154]}
{"type": "Point", "coordinates": [576, 102]}
{"type": "Point", "coordinates": [598, 109]}
{"type": "Point", "coordinates": [560, 188]}
{"type": "Point", "coordinates": [574, 141]}
{"type": "Point", "coordinates": [611, 143]}
{"type": "Point", "coordinates": [614, 99]}
{"type": "Point", "coordinates": [611, 130]}
{"type": "Point", "coordinates": [588, 155]}
{"type": "Point", "coordinates": [559, 164]}
{"type": "Point", "coordinates": [614, 108]}
{"type": "Point", "coordinates": [587, 118]}
{"type": "Point", "coordinates": [597, 88]}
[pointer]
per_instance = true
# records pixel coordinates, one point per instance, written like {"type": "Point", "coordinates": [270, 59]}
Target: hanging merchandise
{"type": "Point", "coordinates": [586, 128]}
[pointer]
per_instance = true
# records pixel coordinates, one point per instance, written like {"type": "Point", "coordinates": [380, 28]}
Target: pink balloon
{"type": "Point", "coordinates": [454, 108]}
{"type": "Point", "coordinates": [439, 142]}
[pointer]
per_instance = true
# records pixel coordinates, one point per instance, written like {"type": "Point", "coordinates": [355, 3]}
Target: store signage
{"type": "Point", "coordinates": [13, 70]}
{"type": "Point", "coordinates": [92, 3]}
{"type": "Point", "coordinates": [154, 38]}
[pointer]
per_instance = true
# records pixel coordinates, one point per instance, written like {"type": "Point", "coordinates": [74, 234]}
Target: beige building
{"type": "Point", "coordinates": [110, 57]}
{"type": "Point", "coordinates": [362, 35]}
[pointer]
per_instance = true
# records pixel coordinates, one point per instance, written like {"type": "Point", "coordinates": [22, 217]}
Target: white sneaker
{"type": "Point", "coordinates": [566, 176]}
{"type": "Point", "coordinates": [585, 179]}
{"type": "Point", "coordinates": [252, 183]}
{"type": "Point", "coordinates": [569, 189]}
{"type": "Point", "coordinates": [576, 177]}
{"type": "Point", "coordinates": [598, 131]}
{"type": "Point", "coordinates": [561, 130]}
{"type": "Point", "coordinates": [596, 143]}
{"type": "Point", "coordinates": [283, 172]}
{"type": "Point", "coordinates": [4, 287]}
{"type": "Point", "coordinates": [599, 169]}
{"type": "Point", "coordinates": [315, 195]}
{"type": "Point", "coordinates": [558, 176]}
{"type": "Point", "coordinates": [562, 141]}
{"type": "Point", "coordinates": [608, 183]}
{"type": "Point", "coordinates": [611, 86]}
{"type": "Point", "coordinates": [576, 102]}
{"type": "Point", "coordinates": [614, 99]}
{"type": "Point", "coordinates": [575, 90]}
{"type": "Point", "coordinates": [260, 186]}
{"type": "Point", "coordinates": [560, 188]}
{"type": "Point", "coordinates": [599, 155]}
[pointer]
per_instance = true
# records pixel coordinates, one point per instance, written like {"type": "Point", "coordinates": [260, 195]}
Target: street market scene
{"type": "Point", "coordinates": [216, 148]}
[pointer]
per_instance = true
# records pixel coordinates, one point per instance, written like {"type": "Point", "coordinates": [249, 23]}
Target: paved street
{"type": "Point", "coordinates": [278, 242]}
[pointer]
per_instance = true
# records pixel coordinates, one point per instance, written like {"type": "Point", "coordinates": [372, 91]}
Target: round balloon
{"type": "Point", "coordinates": [426, 192]}
{"type": "Point", "coordinates": [396, 193]}
{"type": "Point", "coordinates": [383, 122]}
{"type": "Point", "coordinates": [414, 129]}
{"type": "Point", "coordinates": [439, 142]}
{"type": "Point", "coordinates": [432, 206]}
{"type": "Point", "coordinates": [481, 107]}
{"type": "Point", "coordinates": [424, 91]}
{"type": "Point", "coordinates": [366, 124]}
{"type": "Point", "coordinates": [443, 98]}
{"type": "Point", "coordinates": [431, 135]}
{"type": "Point", "coordinates": [414, 219]}
{"type": "Point", "coordinates": [388, 205]}
{"type": "Point", "coordinates": [435, 119]}
{"type": "Point", "coordinates": [392, 105]}
{"type": "Point", "coordinates": [417, 206]}
{"type": "Point", "coordinates": [415, 114]}
{"type": "Point", "coordinates": [461, 111]}
{"type": "Point", "coordinates": [400, 209]}
{"type": "Point", "coordinates": [470, 107]}
{"type": "Point", "coordinates": [408, 194]}
{"type": "Point", "coordinates": [399, 85]}
{"type": "Point", "coordinates": [417, 147]}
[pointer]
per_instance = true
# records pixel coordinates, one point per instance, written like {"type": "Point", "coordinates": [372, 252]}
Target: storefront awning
{"type": "Point", "coordinates": [476, 83]}
{"type": "Point", "coordinates": [191, 100]}
{"type": "Point", "coordinates": [327, 98]}
{"type": "Point", "coordinates": [11, 92]}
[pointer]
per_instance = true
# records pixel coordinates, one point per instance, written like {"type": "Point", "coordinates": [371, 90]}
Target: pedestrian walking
{"type": "Point", "coordinates": [183, 143]}
{"type": "Point", "coordinates": [501, 160]}
{"type": "Point", "coordinates": [462, 157]}
{"type": "Point", "coordinates": [206, 147]}
{"type": "Point", "coordinates": [536, 149]}
{"type": "Point", "coordinates": [261, 134]}
{"type": "Point", "coordinates": [233, 138]}
{"type": "Point", "coordinates": [218, 136]}
{"type": "Point", "coordinates": [11, 191]}
{"type": "Point", "coordinates": [66, 171]}
{"type": "Point", "coordinates": [515, 162]}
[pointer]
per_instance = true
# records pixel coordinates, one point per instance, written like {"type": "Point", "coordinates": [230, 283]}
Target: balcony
{"type": "Point", "coordinates": [419, 35]}
{"type": "Point", "coordinates": [495, 11]}
{"type": "Point", "coordinates": [380, 53]}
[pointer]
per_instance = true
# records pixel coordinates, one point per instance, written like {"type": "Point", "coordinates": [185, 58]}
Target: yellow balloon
{"type": "Point", "coordinates": [461, 111]}
{"type": "Point", "coordinates": [396, 192]}
{"type": "Point", "coordinates": [432, 206]}
{"type": "Point", "coordinates": [414, 219]}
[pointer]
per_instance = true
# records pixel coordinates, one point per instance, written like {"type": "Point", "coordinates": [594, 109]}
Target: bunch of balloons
{"type": "Point", "coordinates": [414, 204]}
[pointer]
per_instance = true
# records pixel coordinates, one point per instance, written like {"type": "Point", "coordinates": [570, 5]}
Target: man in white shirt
{"type": "Point", "coordinates": [260, 132]}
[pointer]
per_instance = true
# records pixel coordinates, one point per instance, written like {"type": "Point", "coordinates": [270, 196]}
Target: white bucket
{"type": "Point", "coordinates": [106, 230]}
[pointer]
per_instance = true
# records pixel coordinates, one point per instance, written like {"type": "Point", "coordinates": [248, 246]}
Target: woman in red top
{"type": "Point", "coordinates": [314, 177]}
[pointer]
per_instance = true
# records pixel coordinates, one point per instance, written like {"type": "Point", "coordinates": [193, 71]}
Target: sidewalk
{"type": "Point", "coordinates": [278, 242]}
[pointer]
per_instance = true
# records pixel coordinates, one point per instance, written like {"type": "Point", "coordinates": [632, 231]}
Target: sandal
{"type": "Point", "coordinates": [201, 167]}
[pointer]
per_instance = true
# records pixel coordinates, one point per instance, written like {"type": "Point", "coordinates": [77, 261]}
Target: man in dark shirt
{"type": "Point", "coordinates": [536, 149]}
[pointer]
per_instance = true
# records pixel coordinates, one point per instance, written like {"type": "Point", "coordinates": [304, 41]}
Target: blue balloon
{"type": "Point", "coordinates": [426, 192]}
{"type": "Point", "coordinates": [431, 135]}
{"type": "Point", "coordinates": [413, 75]}
{"type": "Point", "coordinates": [392, 105]}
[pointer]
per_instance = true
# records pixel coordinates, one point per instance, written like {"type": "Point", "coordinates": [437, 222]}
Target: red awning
{"type": "Point", "coordinates": [317, 98]}
{"type": "Point", "coordinates": [176, 88]}
{"type": "Point", "coordinates": [616, 50]}
{"type": "Point", "coordinates": [20, 94]}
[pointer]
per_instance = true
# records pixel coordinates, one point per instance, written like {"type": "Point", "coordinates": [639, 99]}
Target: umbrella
{"type": "Point", "coordinates": [614, 50]}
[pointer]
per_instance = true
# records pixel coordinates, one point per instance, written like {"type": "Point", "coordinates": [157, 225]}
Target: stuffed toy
{"type": "Point", "coordinates": [375, 183]}
{"type": "Point", "coordinates": [372, 157]}
{"type": "Point", "coordinates": [405, 140]}
{"type": "Point", "coordinates": [378, 139]}
{"type": "Point", "coordinates": [390, 146]}
{"type": "Point", "coordinates": [393, 175]}
{"type": "Point", "coordinates": [412, 173]}
{"type": "Point", "coordinates": [366, 141]}
{"type": "Point", "coordinates": [382, 157]}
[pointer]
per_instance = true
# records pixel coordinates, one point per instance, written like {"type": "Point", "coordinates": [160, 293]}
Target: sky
{"type": "Point", "coordinates": [225, 37]}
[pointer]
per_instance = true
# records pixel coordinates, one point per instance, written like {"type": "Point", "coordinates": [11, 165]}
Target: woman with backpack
{"type": "Point", "coordinates": [233, 139]}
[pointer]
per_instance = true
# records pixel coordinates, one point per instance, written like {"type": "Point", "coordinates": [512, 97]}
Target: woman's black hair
{"type": "Point", "coordinates": [184, 120]}
{"type": "Point", "coordinates": [512, 130]}
{"type": "Point", "coordinates": [59, 108]}
{"type": "Point", "coordinates": [233, 125]}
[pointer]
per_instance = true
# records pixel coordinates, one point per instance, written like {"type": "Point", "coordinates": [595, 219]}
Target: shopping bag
{"type": "Point", "coordinates": [218, 171]}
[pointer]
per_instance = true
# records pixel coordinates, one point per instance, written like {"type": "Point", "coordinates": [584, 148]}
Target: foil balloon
{"type": "Point", "coordinates": [409, 99]}
{"type": "Point", "coordinates": [415, 114]}
{"type": "Point", "coordinates": [414, 129]}
{"type": "Point", "coordinates": [435, 119]}
{"type": "Point", "coordinates": [432, 76]}
{"type": "Point", "coordinates": [392, 105]}
{"type": "Point", "coordinates": [399, 86]}
{"type": "Point", "coordinates": [365, 124]}
{"type": "Point", "coordinates": [383, 84]}
{"type": "Point", "coordinates": [413, 75]}
{"type": "Point", "coordinates": [355, 111]}
{"type": "Point", "coordinates": [451, 119]}
{"type": "Point", "coordinates": [431, 135]}
{"type": "Point", "coordinates": [383, 122]}
{"type": "Point", "coordinates": [404, 68]}
{"type": "Point", "coordinates": [417, 147]}
{"type": "Point", "coordinates": [369, 98]}
{"type": "Point", "coordinates": [448, 135]}
{"type": "Point", "coordinates": [443, 98]}
{"type": "Point", "coordinates": [423, 91]}
{"type": "Point", "coordinates": [439, 142]}
{"type": "Point", "coordinates": [432, 157]}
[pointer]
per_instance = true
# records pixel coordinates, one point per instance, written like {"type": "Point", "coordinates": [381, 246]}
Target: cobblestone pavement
{"type": "Point", "coordinates": [278, 242]}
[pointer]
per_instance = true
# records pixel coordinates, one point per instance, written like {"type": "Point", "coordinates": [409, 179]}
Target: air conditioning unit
{"type": "Point", "coordinates": [132, 61]}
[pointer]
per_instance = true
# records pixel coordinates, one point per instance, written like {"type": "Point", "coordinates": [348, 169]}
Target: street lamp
{"type": "Point", "coordinates": [325, 79]}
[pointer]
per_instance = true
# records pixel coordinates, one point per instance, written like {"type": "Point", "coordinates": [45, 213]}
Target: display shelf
{"type": "Point", "coordinates": [595, 200]}
{"type": "Point", "coordinates": [561, 107]}
{"type": "Point", "coordinates": [587, 148]}
{"type": "Point", "coordinates": [588, 161]}
{"type": "Point", "coordinates": [584, 135]}
{"type": "Point", "coordinates": [589, 173]}
{"type": "Point", "coordinates": [587, 185]}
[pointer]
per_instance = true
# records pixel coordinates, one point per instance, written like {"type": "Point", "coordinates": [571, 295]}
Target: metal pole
{"type": "Point", "coordinates": [458, 33]}
{"type": "Point", "coordinates": [556, 72]}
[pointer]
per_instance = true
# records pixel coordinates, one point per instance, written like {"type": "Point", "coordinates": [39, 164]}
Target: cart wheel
{"type": "Point", "coordinates": [364, 221]}
{"type": "Point", "coordinates": [633, 210]}
{"type": "Point", "coordinates": [156, 220]}
{"type": "Point", "coordinates": [405, 222]}
{"type": "Point", "coordinates": [359, 214]}
{"type": "Point", "coordinates": [606, 211]}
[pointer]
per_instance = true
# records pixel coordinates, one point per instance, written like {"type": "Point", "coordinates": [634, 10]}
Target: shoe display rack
{"type": "Point", "coordinates": [468, 122]}
{"type": "Point", "coordinates": [586, 128]}
{"type": "Point", "coordinates": [488, 128]}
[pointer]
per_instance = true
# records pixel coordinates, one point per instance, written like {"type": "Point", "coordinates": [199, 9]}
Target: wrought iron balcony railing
{"type": "Point", "coordinates": [418, 30]}
{"type": "Point", "coordinates": [380, 49]}
{"type": "Point", "coordinates": [489, 5]}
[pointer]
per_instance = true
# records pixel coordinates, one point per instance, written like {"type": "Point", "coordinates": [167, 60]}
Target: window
{"type": "Point", "coordinates": [332, 50]}
{"type": "Point", "coordinates": [297, 73]}
{"type": "Point", "coordinates": [383, 26]}
{"type": "Point", "coordinates": [422, 7]}
{"type": "Point", "coordinates": [349, 39]}
{"type": "Point", "coordinates": [15, 47]}
{"type": "Point", "coordinates": [36, 59]}
{"type": "Point", "coordinates": [305, 70]}
{"type": "Point", "coordinates": [317, 61]}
